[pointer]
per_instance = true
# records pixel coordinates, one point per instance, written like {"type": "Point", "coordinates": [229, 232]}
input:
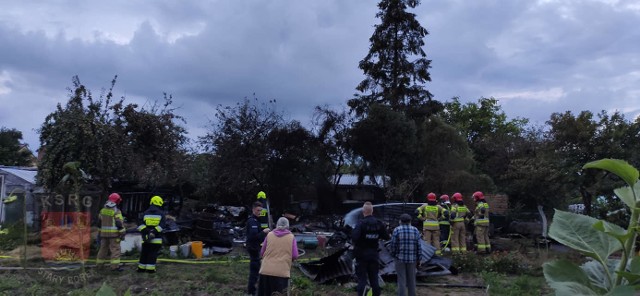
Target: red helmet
{"type": "Point", "coordinates": [444, 198]}
{"type": "Point", "coordinates": [478, 196]}
{"type": "Point", "coordinates": [431, 197]}
{"type": "Point", "coordinates": [114, 197]}
{"type": "Point", "coordinates": [457, 197]}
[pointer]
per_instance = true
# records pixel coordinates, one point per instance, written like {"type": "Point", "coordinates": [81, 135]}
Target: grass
{"type": "Point", "coordinates": [506, 273]}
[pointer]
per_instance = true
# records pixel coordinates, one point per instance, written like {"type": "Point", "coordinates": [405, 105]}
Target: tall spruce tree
{"type": "Point", "coordinates": [396, 67]}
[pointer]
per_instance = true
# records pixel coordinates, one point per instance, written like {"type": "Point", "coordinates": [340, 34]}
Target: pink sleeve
{"type": "Point", "coordinates": [294, 249]}
{"type": "Point", "coordinates": [264, 247]}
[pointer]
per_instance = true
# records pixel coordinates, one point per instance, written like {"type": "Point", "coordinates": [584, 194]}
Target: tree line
{"type": "Point", "coordinates": [392, 127]}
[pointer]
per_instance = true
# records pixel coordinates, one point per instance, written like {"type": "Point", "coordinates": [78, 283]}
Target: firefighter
{"type": "Point", "coordinates": [444, 221]}
{"type": "Point", "coordinates": [481, 216]}
{"type": "Point", "coordinates": [429, 214]}
{"type": "Point", "coordinates": [111, 232]}
{"type": "Point", "coordinates": [265, 215]}
{"type": "Point", "coordinates": [459, 213]}
{"type": "Point", "coordinates": [151, 230]}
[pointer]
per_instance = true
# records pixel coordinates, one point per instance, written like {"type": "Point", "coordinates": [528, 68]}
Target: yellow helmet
{"type": "Point", "coordinates": [157, 201]}
{"type": "Point", "coordinates": [262, 195]}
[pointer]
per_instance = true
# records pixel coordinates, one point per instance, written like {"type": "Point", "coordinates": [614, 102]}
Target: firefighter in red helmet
{"type": "Point", "coordinates": [111, 232]}
{"type": "Point", "coordinates": [459, 213]}
{"type": "Point", "coordinates": [481, 217]}
{"type": "Point", "coordinates": [429, 213]}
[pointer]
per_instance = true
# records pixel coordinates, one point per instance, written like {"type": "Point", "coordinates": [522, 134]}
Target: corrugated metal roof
{"type": "Point", "coordinates": [348, 179]}
{"type": "Point", "coordinates": [28, 175]}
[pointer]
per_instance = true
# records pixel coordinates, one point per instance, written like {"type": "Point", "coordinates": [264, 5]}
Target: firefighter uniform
{"type": "Point", "coordinates": [263, 218]}
{"type": "Point", "coordinates": [151, 231]}
{"type": "Point", "coordinates": [481, 224]}
{"type": "Point", "coordinates": [445, 222]}
{"type": "Point", "coordinates": [458, 228]}
{"type": "Point", "coordinates": [429, 214]}
{"type": "Point", "coordinates": [111, 230]}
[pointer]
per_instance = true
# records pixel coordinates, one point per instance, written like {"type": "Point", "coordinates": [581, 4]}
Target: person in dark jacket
{"type": "Point", "coordinates": [255, 237]}
{"type": "Point", "coordinates": [151, 230]}
{"type": "Point", "coordinates": [365, 237]}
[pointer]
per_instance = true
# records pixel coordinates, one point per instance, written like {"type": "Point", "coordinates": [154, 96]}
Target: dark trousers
{"type": "Point", "coordinates": [254, 269]}
{"type": "Point", "coordinates": [406, 278]}
{"type": "Point", "coordinates": [271, 284]}
{"type": "Point", "coordinates": [367, 269]}
{"type": "Point", "coordinates": [148, 257]}
{"type": "Point", "coordinates": [444, 233]}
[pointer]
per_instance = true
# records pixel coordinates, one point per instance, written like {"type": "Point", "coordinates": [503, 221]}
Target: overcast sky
{"type": "Point", "coordinates": [535, 57]}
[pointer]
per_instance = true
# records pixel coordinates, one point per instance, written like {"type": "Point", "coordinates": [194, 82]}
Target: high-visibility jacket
{"type": "Point", "coordinates": [460, 212]}
{"type": "Point", "coordinates": [482, 214]}
{"type": "Point", "coordinates": [111, 222]}
{"type": "Point", "coordinates": [263, 218]}
{"type": "Point", "coordinates": [445, 214]}
{"type": "Point", "coordinates": [430, 214]}
{"type": "Point", "coordinates": [152, 221]}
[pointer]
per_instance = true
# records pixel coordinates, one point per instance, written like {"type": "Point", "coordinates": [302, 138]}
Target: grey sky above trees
{"type": "Point", "coordinates": [535, 57]}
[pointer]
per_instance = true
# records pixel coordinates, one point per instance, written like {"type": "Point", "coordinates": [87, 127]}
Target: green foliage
{"type": "Point", "coordinates": [12, 152]}
{"type": "Point", "coordinates": [396, 66]}
{"type": "Point", "coordinates": [14, 236]}
{"type": "Point", "coordinates": [578, 139]}
{"type": "Point", "coordinates": [522, 285]}
{"type": "Point", "coordinates": [111, 140]}
{"type": "Point", "coordinates": [301, 285]}
{"type": "Point", "coordinates": [106, 290]}
{"type": "Point", "coordinates": [9, 283]}
{"type": "Point", "coordinates": [512, 263]}
{"type": "Point", "coordinates": [213, 275]}
{"type": "Point", "coordinates": [599, 240]}
{"type": "Point", "coordinates": [446, 160]}
{"type": "Point", "coordinates": [252, 148]}
{"type": "Point", "coordinates": [387, 140]}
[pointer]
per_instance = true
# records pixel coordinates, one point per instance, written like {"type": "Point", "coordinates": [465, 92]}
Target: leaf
{"type": "Point", "coordinates": [106, 290]}
{"type": "Point", "coordinates": [613, 230]}
{"type": "Point", "coordinates": [633, 278]}
{"type": "Point", "coordinates": [561, 271]}
{"type": "Point", "coordinates": [598, 275]}
{"type": "Point", "coordinates": [619, 167]}
{"type": "Point", "coordinates": [577, 231]}
{"type": "Point", "coordinates": [622, 291]}
{"type": "Point", "coordinates": [626, 194]}
{"type": "Point", "coordinates": [571, 288]}
{"type": "Point", "coordinates": [634, 265]}
{"type": "Point", "coordinates": [633, 271]}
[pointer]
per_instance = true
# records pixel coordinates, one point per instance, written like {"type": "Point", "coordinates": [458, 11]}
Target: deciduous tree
{"type": "Point", "coordinates": [12, 152]}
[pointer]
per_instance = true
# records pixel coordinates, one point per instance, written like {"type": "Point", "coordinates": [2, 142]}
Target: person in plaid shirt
{"type": "Point", "coordinates": [405, 249]}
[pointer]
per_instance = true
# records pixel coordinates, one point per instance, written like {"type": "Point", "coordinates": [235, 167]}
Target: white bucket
{"type": "Point", "coordinates": [185, 250]}
{"type": "Point", "coordinates": [173, 251]}
{"type": "Point", "coordinates": [206, 252]}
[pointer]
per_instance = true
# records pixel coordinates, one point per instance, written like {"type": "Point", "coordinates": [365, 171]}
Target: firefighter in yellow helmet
{"type": "Point", "coordinates": [151, 230]}
{"type": "Point", "coordinates": [429, 213]}
{"type": "Point", "coordinates": [265, 215]}
{"type": "Point", "coordinates": [481, 216]}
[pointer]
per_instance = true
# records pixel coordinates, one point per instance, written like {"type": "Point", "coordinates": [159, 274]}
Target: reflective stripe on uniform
{"type": "Point", "coordinates": [430, 223]}
{"type": "Point", "coordinates": [107, 212]}
{"type": "Point", "coordinates": [460, 212]}
{"type": "Point", "coordinates": [152, 220]}
{"type": "Point", "coordinates": [109, 229]}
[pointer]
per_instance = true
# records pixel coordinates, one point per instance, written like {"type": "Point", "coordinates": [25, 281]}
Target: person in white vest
{"type": "Point", "coordinates": [279, 249]}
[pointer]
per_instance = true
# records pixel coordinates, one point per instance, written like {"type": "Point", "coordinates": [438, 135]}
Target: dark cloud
{"type": "Point", "coordinates": [536, 57]}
